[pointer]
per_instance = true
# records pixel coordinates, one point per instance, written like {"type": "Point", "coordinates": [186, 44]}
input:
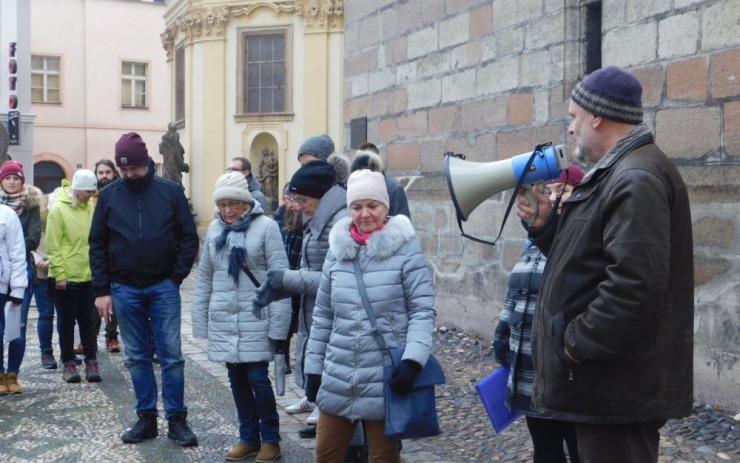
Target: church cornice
{"type": "Point", "coordinates": [321, 15]}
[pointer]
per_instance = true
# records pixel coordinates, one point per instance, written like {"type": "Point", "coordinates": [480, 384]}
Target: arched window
{"type": "Point", "coordinates": [47, 175]}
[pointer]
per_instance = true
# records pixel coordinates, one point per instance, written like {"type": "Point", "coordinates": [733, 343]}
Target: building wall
{"type": "Point", "coordinates": [90, 119]}
{"type": "Point", "coordinates": [492, 78]}
{"type": "Point", "coordinates": [212, 132]}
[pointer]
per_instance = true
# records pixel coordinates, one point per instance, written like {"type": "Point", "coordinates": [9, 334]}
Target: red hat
{"type": "Point", "coordinates": [12, 168]}
{"type": "Point", "coordinates": [131, 151]}
{"type": "Point", "coordinates": [572, 174]}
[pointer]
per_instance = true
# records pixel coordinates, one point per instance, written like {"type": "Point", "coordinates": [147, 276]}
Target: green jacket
{"type": "Point", "coordinates": [67, 230]}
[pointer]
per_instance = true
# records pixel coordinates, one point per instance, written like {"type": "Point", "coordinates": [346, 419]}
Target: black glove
{"type": "Point", "coordinates": [402, 380]}
{"type": "Point", "coordinates": [313, 383]}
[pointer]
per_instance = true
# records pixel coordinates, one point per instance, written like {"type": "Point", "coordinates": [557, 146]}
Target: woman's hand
{"type": "Point", "coordinates": [403, 378]}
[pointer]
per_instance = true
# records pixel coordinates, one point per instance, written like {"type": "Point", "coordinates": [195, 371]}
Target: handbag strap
{"type": "Point", "coordinates": [251, 276]}
{"type": "Point", "coordinates": [368, 309]}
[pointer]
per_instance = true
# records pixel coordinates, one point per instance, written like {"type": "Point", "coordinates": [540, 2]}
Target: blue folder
{"type": "Point", "coordinates": [492, 392]}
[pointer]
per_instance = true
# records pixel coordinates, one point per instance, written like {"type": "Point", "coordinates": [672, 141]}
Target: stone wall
{"type": "Point", "coordinates": [490, 79]}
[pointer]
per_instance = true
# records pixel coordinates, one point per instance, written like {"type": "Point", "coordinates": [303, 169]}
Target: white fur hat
{"type": "Point", "coordinates": [366, 184]}
{"type": "Point", "coordinates": [232, 185]}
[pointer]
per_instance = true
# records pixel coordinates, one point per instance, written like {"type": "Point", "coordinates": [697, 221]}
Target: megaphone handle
{"type": "Point", "coordinates": [532, 200]}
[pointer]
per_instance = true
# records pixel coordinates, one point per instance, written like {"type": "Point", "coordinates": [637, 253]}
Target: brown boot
{"type": "Point", "coordinates": [3, 387]}
{"type": "Point", "coordinates": [11, 382]}
{"type": "Point", "coordinates": [269, 453]}
{"type": "Point", "coordinates": [241, 451]}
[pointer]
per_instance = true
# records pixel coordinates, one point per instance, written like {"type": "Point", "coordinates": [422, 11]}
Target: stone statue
{"type": "Point", "coordinates": [173, 154]}
{"type": "Point", "coordinates": [268, 173]}
{"type": "Point", "coordinates": [4, 143]}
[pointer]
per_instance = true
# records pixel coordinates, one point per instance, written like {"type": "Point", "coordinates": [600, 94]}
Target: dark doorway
{"type": "Point", "coordinates": [47, 175]}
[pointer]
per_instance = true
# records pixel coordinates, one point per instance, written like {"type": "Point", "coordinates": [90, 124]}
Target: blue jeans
{"type": "Point", "coordinates": [17, 347]}
{"type": "Point", "coordinates": [255, 403]}
{"type": "Point", "coordinates": [157, 305]}
{"type": "Point", "coordinates": [45, 324]}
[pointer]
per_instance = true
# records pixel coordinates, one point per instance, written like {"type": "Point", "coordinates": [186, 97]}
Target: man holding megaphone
{"type": "Point", "coordinates": [613, 330]}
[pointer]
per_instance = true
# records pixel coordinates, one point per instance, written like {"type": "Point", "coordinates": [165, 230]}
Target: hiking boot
{"type": "Point", "coordinates": [92, 372]}
{"type": "Point", "coordinates": [144, 428]}
{"type": "Point", "coordinates": [3, 387]}
{"type": "Point", "coordinates": [79, 349]}
{"type": "Point", "coordinates": [268, 453]}
{"type": "Point", "coordinates": [302, 406]}
{"type": "Point", "coordinates": [77, 360]}
{"type": "Point", "coordinates": [48, 361]}
{"type": "Point", "coordinates": [112, 345]}
{"type": "Point", "coordinates": [11, 382]}
{"type": "Point", "coordinates": [70, 374]}
{"type": "Point", "coordinates": [179, 431]}
{"type": "Point", "coordinates": [241, 451]}
{"type": "Point", "coordinates": [314, 418]}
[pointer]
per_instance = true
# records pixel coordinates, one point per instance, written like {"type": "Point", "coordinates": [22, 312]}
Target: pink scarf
{"type": "Point", "coordinates": [361, 238]}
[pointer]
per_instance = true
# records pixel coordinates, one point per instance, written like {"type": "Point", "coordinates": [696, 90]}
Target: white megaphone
{"type": "Point", "coordinates": [471, 183]}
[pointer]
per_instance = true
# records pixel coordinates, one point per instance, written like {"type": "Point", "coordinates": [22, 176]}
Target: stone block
{"type": "Point", "coordinates": [714, 184]}
{"type": "Point", "coordinates": [427, 189]}
{"type": "Point", "coordinates": [444, 120]}
{"type": "Point", "coordinates": [481, 22]}
{"type": "Point", "coordinates": [498, 76]}
{"type": "Point", "coordinates": [432, 11]}
{"type": "Point", "coordinates": [513, 142]}
{"type": "Point", "coordinates": [433, 65]}
{"type": "Point", "coordinates": [707, 268]}
{"type": "Point", "coordinates": [545, 31]}
{"type": "Point", "coordinates": [407, 73]}
{"type": "Point", "coordinates": [397, 101]}
{"type": "Point", "coordinates": [381, 79]}
{"type": "Point", "coordinates": [534, 69]}
{"type": "Point", "coordinates": [725, 73]}
{"type": "Point", "coordinates": [422, 42]}
{"type": "Point", "coordinates": [356, 107]}
{"type": "Point", "coordinates": [443, 218]}
{"type": "Point", "coordinates": [559, 99]}
{"type": "Point", "coordinates": [678, 35]}
{"type": "Point", "coordinates": [351, 39]}
{"type": "Point", "coordinates": [369, 33]}
{"type": "Point", "coordinates": [687, 80]}
{"type": "Point", "coordinates": [688, 133]}
{"type": "Point", "coordinates": [488, 48]}
{"type": "Point", "coordinates": [380, 104]}
{"type": "Point", "coordinates": [459, 86]}
{"type": "Point", "coordinates": [520, 108]}
{"type": "Point", "coordinates": [651, 79]}
{"type": "Point", "coordinates": [476, 148]}
{"type": "Point", "coordinates": [478, 253]}
{"type": "Point", "coordinates": [360, 10]}
{"type": "Point", "coordinates": [630, 46]}
{"type": "Point", "coordinates": [424, 218]}
{"type": "Point", "coordinates": [484, 113]}
{"type": "Point", "coordinates": [432, 156]}
{"type": "Point", "coordinates": [507, 13]}
{"type": "Point", "coordinates": [454, 31]}
{"type": "Point", "coordinates": [409, 16]}
{"type": "Point", "coordinates": [650, 8]}
{"type": "Point", "coordinates": [732, 128]}
{"type": "Point", "coordinates": [540, 107]}
{"type": "Point", "coordinates": [510, 42]}
{"type": "Point", "coordinates": [512, 252]}
{"type": "Point", "coordinates": [456, 6]}
{"type": "Point", "coordinates": [388, 130]}
{"type": "Point", "coordinates": [359, 85]}
{"type": "Point", "coordinates": [719, 25]}
{"type": "Point", "coordinates": [450, 244]}
{"type": "Point", "coordinates": [466, 55]}
{"type": "Point", "coordinates": [424, 94]}
{"type": "Point", "coordinates": [413, 125]}
{"type": "Point", "coordinates": [403, 156]}
{"type": "Point", "coordinates": [388, 24]}
{"type": "Point", "coordinates": [361, 62]}
{"type": "Point", "coordinates": [429, 242]}
{"type": "Point", "coordinates": [714, 232]}
{"type": "Point", "coordinates": [395, 51]}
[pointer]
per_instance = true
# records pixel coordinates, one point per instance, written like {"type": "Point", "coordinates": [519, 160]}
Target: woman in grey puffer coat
{"type": "Point", "coordinates": [242, 237]}
{"type": "Point", "coordinates": [344, 364]}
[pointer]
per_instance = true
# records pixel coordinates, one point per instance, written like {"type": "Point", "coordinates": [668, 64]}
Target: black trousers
{"type": "Point", "coordinates": [548, 436]}
{"type": "Point", "coordinates": [75, 304]}
{"type": "Point", "coordinates": [619, 443]}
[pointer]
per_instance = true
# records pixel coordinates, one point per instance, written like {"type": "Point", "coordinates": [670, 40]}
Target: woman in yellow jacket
{"type": "Point", "coordinates": [67, 230]}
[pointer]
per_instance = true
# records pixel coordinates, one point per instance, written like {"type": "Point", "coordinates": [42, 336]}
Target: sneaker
{"type": "Point", "coordinates": [11, 382]}
{"type": "Point", "coordinates": [144, 428]}
{"type": "Point", "coordinates": [309, 432]}
{"type": "Point", "coordinates": [92, 372]}
{"type": "Point", "coordinates": [48, 361]}
{"type": "Point", "coordinates": [79, 349]}
{"type": "Point", "coordinates": [70, 373]}
{"type": "Point", "coordinates": [269, 453]}
{"type": "Point", "coordinates": [3, 387]}
{"type": "Point", "coordinates": [302, 406]}
{"type": "Point", "coordinates": [178, 430]}
{"type": "Point", "coordinates": [112, 345]}
{"type": "Point", "coordinates": [241, 451]}
{"type": "Point", "coordinates": [155, 358]}
{"type": "Point", "coordinates": [314, 418]}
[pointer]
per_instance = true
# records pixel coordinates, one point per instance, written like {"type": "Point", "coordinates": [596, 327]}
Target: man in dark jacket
{"type": "Point", "coordinates": [613, 332]}
{"type": "Point", "coordinates": [255, 188]}
{"type": "Point", "coordinates": [143, 243]}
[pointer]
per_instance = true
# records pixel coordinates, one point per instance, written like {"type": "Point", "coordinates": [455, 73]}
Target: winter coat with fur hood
{"type": "Point", "coordinates": [341, 347]}
{"type": "Point", "coordinates": [222, 308]}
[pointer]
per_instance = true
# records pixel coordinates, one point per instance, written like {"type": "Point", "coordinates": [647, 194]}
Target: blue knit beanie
{"type": "Point", "coordinates": [611, 93]}
{"type": "Point", "coordinates": [320, 146]}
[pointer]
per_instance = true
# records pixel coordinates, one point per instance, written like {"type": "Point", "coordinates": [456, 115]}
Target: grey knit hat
{"type": "Point", "coordinates": [232, 185]}
{"type": "Point", "coordinates": [320, 146]}
{"type": "Point", "coordinates": [611, 93]}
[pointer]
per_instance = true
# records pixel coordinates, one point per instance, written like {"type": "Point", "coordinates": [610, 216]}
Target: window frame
{"type": "Point", "coordinates": [241, 101]}
{"type": "Point", "coordinates": [179, 84]}
{"type": "Point", "coordinates": [45, 73]}
{"type": "Point", "coordinates": [135, 78]}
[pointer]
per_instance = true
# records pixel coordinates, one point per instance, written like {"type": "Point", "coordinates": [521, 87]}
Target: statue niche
{"type": "Point", "coordinates": [173, 154]}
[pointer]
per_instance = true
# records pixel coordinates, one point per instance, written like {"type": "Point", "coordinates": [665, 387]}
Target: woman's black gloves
{"type": "Point", "coordinates": [402, 380]}
{"type": "Point", "coordinates": [313, 383]}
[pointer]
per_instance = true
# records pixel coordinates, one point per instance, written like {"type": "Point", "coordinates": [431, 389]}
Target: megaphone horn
{"type": "Point", "coordinates": [471, 183]}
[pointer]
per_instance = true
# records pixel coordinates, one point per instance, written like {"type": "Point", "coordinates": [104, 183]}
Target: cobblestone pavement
{"type": "Point", "coordinates": [57, 422]}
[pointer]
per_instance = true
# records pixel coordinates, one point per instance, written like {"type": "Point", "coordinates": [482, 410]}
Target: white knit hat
{"type": "Point", "coordinates": [366, 184]}
{"type": "Point", "coordinates": [232, 185]}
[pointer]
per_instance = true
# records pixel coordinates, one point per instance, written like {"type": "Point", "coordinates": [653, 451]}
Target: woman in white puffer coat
{"type": "Point", "coordinates": [240, 246]}
{"type": "Point", "coordinates": [344, 364]}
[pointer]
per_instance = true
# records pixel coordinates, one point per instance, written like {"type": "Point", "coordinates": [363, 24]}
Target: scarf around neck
{"type": "Point", "coordinates": [361, 238]}
{"type": "Point", "coordinates": [15, 201]}
{"type": "Point", "coordinates": [238, 255]}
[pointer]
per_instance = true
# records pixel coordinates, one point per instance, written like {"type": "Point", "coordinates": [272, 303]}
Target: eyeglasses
{"type": "Point", "coordinates": [233, 169]}
{"type": "Point", "coordinates": [299, 201]}
{"type": "Point", "coordinates": [229, 205]}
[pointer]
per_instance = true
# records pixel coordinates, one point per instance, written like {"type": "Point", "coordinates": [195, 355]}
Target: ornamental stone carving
{"type": "Point", "coordinates": [321, 15]}
{"type": "Point", "coordinates": [195, 25]}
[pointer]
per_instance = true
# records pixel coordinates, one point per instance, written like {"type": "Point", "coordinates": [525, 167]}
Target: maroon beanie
{"type": "Point", "coordinates": [571, 176]}
{"type": "Point", "coordinates": [131, 151]}
{"type": "Point", "coordinates": [12, 168]}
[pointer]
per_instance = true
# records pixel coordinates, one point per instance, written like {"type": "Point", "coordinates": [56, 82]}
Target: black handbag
{"type": "Point", "coordinates": [412, 415]}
